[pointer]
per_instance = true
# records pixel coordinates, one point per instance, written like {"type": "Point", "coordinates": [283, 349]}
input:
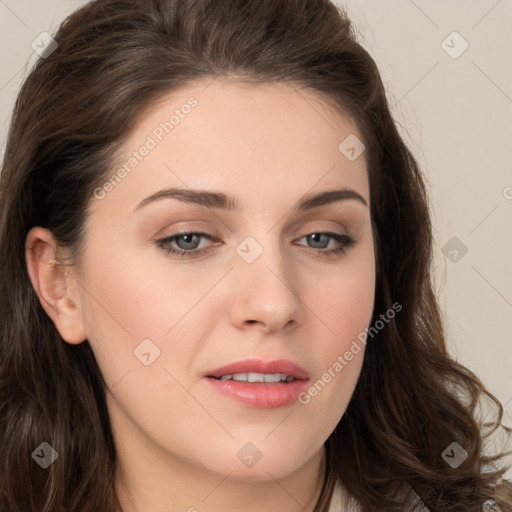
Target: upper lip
{"type": "Point", "coordinates": [260, 366]}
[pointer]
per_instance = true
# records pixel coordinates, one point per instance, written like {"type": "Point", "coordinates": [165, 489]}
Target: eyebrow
{"type": "Point", "coordinates": [219, 200]}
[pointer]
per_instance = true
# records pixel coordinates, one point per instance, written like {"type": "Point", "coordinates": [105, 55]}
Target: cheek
{"type": "Point", "coordinates": [122, 307]}
{"type": "Point", "coordinates": [128, 301]}
{"type": "Point", "coordinates": [344, 302]}
{"type": "Point", "coordinates": [345, 309]}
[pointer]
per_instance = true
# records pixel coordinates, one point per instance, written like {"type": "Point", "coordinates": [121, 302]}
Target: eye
{"type": "Point", "coordinates": [321, 241]}
{"type": "Point", "coordinates": [188, 243]}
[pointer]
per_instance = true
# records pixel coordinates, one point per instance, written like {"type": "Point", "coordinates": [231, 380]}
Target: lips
{"type": "Point", "coordinates": [282, 366]}
{"type": "Point", "coordinates": [259, 384]}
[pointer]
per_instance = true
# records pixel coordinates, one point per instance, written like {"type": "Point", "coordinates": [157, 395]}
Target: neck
{"type": "Point", "coordinates": [182, 487]}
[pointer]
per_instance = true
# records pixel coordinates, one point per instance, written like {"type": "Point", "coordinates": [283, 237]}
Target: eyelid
{"type": "Point", "coordinates": [200, 231]}
{"type": "Point", "coordinates": [344, 241]}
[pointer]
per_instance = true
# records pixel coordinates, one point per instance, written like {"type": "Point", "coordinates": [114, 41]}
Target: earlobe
{"type": "Point", "coordinates": [54, 284]}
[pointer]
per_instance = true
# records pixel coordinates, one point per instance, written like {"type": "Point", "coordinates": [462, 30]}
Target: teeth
{"type": "Point", "coordinates": [276, 377]}
{"type": "Point", "coordinates": [259, 377]}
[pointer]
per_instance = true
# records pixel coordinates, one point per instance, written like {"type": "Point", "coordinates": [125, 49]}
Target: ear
{"type": "Point", "coordinates": [55, 285]}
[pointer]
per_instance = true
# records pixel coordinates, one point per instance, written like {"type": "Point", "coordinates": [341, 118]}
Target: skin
{"type": "Point", "coordinates": [177, 439]}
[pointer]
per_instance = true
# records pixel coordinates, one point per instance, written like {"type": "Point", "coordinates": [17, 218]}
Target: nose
{"type": "Point", "coordinates": [266, 294]}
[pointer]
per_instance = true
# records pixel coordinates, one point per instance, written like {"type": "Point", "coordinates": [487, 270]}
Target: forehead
{"type": "Point", "coordinates": [264, 140]}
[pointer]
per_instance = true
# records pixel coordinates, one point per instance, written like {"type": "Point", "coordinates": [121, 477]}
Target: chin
{"type": "Point", "coordinates": [260, 472]}
{"type": "Point", "coordinates": [260, 461]}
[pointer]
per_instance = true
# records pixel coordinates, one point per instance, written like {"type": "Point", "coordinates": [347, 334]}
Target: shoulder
{"type": "Point", "coordinates": [341, 500]}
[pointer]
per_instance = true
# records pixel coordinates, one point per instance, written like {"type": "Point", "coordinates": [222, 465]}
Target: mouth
{"type": "Point", "coordinates": [263, 378]}
{"type": "Point", "coordinates": [257, 370]}
{"type": "Point", "coordinates": [260, 384]}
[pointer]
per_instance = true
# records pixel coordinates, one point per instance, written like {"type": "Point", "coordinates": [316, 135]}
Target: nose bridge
{"type": "Point", "coordinates": [266, 287]}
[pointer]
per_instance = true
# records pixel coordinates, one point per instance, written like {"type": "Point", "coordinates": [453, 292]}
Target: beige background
{"type": "Point", "coordinates": [456, 115]}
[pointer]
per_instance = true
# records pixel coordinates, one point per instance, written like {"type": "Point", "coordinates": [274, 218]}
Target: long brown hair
{"type": "Point", "coordinates": [113, 60]}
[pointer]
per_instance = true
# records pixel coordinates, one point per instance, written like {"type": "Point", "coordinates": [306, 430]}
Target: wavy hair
{"type": "Point", "coordinates": [114, 59]}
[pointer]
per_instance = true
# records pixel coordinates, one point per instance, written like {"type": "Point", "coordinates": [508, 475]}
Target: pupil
{"type": "Point", "coordinates": [187, 239]}
{"type": "Point", "coordinates": [316, 236]}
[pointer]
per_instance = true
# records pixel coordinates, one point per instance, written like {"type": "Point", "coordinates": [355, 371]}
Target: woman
{"type": "Point", "coordinates": [217, 288]}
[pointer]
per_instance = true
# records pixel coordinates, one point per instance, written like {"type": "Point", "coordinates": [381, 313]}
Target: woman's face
{"type": "Point", "coordinates": [258, 285]}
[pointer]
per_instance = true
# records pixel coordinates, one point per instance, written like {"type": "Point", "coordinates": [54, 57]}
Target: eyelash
{"type": "Point", "coordinates": [345, 241]}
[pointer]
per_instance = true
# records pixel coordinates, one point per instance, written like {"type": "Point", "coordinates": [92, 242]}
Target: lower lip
{"type": "Point", "coordinates": [260, 395]}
